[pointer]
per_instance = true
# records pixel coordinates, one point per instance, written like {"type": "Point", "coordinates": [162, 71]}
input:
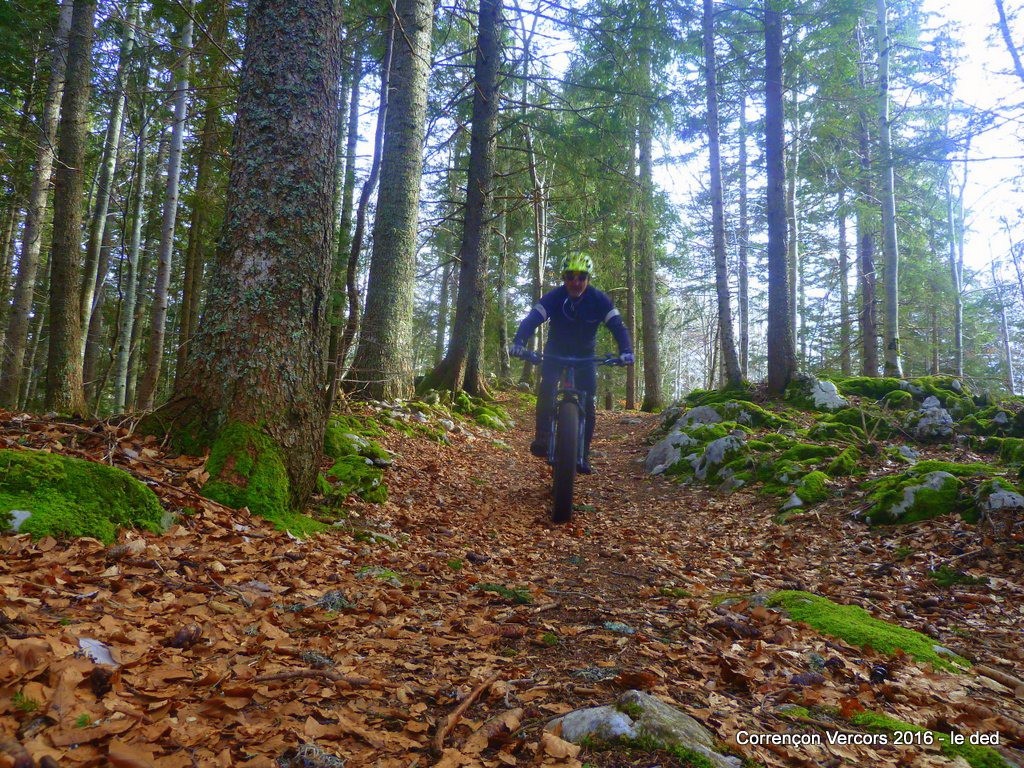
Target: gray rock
{"type": "Point", "coordinates": [932, 422]}
{"type": "Point", "coordinates": [702, 414]}
{"type": "Point", "coordinates": [931, 402]}
{"type": "Point", "coordinates": [716, 453]}
{"type": "Point", "coordinates": [909, 454]}
{"type": "Point", "coordinates": [667, 452]}
{"type": "Point", "coordinates": [794, 502]}
{"type": "Point", "coordinates": [826, 395]}
{"type": "Point", "coordinates": [933, 481]}
{"type": "Point", "coordinates": [636, 715]}
{"type": "Point", "coordinates": [1000, 499]}
{"type": "Point", "coordinates": [1001, 418]}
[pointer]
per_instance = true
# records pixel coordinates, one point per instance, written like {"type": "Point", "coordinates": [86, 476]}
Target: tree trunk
{"type": "Point", "coordinates": [893, 364]}
{"type": "Point", "coordinates": [64, 390]}
{"type": "Point", "coordinates": [538, 197]}
{"type": "Point", "coordinates": [866, 276]}
{"type": "Point", "coordinates": [254, 384]}
{"type": "Point", "coordinates": [956, 280]}
{"type": "Point", "coordinates": [205, 194]}
{"type": "Point", "coordinates": [742, 266]}
{"type": "Point", "coordinates": [158, 317]}
{"type": "Point", "coordinates": [16, 337]}
{"type": "Point", "coordinates": [645, 240]}
{"type": "Point", "coordinates": [845, 360]}
{"type": "Point", "coordinates": [733, 375]}
{"type": "Point", "coordinates": [1004, 332]}
{"type": "Point", "coordinates": [501, 238]}
{"type": "Point", "coordinates": [382, 367]}
{"type": "Point", "coordinates": [92, 276]}
{"type": "Point", "coordinates": [462, 367]}
{"type": "Point", "coordinates": [781, 354]}
{"type": "Point", "coordinates": [339, 275]}
{"type": "Point", "coordinates": [356, 246]}
{"type": "Point", "coordinates": [793, 237]}
{"type": "Point", "coordinates": [130, 279]}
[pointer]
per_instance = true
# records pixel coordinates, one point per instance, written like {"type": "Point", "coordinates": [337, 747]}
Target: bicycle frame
{"type": "Point", "coordinates": [567, 392]}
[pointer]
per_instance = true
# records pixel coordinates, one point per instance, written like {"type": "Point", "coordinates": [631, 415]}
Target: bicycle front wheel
{"type": "Point", "coordinates": [566, 452]}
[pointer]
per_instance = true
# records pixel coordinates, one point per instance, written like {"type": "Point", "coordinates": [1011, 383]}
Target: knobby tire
{"type": "Point", "coordinates": [566, 450]}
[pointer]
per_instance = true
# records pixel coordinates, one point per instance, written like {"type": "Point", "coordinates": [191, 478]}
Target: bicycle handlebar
{"type": "Point", "coordinates": [537, 358]}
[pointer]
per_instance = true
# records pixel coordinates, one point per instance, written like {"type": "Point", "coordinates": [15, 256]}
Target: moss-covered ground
{"type": "Point", "coordinates": [856, 626]}
{"type": "Point", "coordinates": [69, 497]}
{"type": "Point", "coordinates": [788, 447]}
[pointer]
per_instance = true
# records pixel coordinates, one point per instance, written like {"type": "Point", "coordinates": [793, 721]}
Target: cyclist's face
{"type": "Point", "coordinates": [575, 283]}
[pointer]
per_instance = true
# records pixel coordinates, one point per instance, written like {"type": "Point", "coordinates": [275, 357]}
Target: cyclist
{"type": "Point", "coordinates": [575, 310]}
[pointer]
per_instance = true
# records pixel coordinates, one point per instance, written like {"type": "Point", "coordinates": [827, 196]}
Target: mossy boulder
{"type": "Point", "coordinates": [708, 465]}
{"type": "Point", "coordinates": [69, 497]}
{"type": "Point", "coordinates": [358, 475]}
{"type": "Point", "coordinates": [247, 469]}
{"type": "Point", "coordinates": [856, 626]}
{"type": "Point", "coordinates": [873, 423]}
{"type": "Point", "coordinates": [845, 464]}
{"type": "Point", "coordinates": [809, 392]}
{"type": "Point", "coordinates": [897, 400]}
{"type": "Point", "coordinates": [813, 487]}
{"type": "Point", "coordinates": [349, 437]}
{"type": "Point", "coordinates": [869, 386]}
{"type": "Point", "coordinates": [837, 430]}
{"type": "Point", "coordinates": [809, 452]}
{"type": "Point", "coordinates": [913, 496]}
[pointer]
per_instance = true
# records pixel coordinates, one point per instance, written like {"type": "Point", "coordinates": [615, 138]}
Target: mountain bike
{"type": "Point", "coordinates": [568, 428]}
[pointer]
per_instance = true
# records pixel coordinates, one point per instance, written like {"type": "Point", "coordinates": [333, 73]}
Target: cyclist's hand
{"type": "Point", "coordinates": [627, 358]}
{"type": "Point", "coordinates": [517, 350]}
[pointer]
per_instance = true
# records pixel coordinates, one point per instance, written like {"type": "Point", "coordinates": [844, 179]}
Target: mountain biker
{"type": "Point", "coordinates": [575, 310]}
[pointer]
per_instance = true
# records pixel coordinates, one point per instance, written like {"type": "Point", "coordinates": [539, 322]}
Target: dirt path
{"type": "Point", "coordinates": [363, 642]}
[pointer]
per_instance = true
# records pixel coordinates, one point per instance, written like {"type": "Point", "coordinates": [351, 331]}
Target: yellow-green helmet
{"type": "Point", "coordinates": [578, 262]}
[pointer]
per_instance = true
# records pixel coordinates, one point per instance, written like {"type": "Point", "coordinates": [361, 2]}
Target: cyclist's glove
{"type": "Point", "coordinates": [627, 358]}
{"type": "Point", "coordinates": [517, 349]}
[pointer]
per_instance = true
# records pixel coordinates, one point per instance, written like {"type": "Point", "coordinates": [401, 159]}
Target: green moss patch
{"type": "Point", "coordinates": [247, 470]}
{"type": "Point", "coordinates": [913, 496]}
{"type": "Point", "coordinates": [898, 400]}
{"type": "Point", "coordinates": [845, 464]}
{"type": "Point", "coordinates": [976, 756]}
{"type": "Point", "coordinates": [73, 497]}
{"type": "Point", "coordinates": [351, 436]}
{"type": "Point", "coordinates": [867, 386]}
{"type": "Point", "coordinates": [858, 627]}
{"type": "Point", "coordinates": [813, 488]}
{"type": "Point", "coordinates": [355, 474]}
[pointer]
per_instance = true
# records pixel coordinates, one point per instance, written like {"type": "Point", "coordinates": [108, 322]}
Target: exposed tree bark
{"type": "Point", "coordinates": [212, 75]}
{"type": "Point", "coordinates": [356, 246]}
{"type": "Point", "coordinates": [845, 357]}
{"type": "Point", "coordinates": [16, 338]}
{"type": "Point", "coordinates": [630, 258]}
{"type": "Point", "coordinates": [443, 308]}
{"type": "Point", "coordinates": [130, 276]}
{"type": "Point", "coordinates": [339, 276]}
{"type": "Point", "coordinates": [501, 239]}
{"type": "Point", "coordinates": [1004, 332]}
{"type": "Point", "coordinates": [793, 258]}
{"type": "Point", "coordinates": [92, 276]}
{"type": "Point", "coordinates": [539, 199]}
{"type": "Point", "coordinates": [742, 266]}
{"type": "Point", "coordinates": [158, 317]}
{"type": "Point", "coordinates": [258, 358]}
{"type": "Point", "coordinates": [733, 375]}
{"type": "Point", "coordinates": [893, 363]}
{"type": "Point", "coordinates": [645, 241]}
{"type": "Point", "coordinates": [382, 367]}
{"type": "Point", "coordinates": [781, 353]}
{"type": "Point", "coordinates": [64, 390]}
{"type": "Point", "coordinates": [956, 267]}
{"type": "Point", "coordinates": [867, 279]}
{"type": "Point", "coordinates": [462, 367]}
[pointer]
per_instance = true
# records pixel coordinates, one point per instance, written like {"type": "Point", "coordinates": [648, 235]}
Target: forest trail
{"type": "Point", "coordinates": [237, 643]}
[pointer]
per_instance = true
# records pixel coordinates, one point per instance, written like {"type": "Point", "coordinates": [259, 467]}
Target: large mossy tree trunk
{"type": "Point", "coordinates": [254, 387]}
{"type": "Point", "coordinates": [382, 367]}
